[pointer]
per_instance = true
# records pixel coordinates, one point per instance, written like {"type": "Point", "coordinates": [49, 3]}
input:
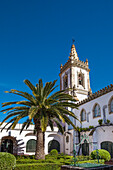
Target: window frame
{"type": "Point", "coordinates": [98, 108]}
{"type": "Point", "coordinates": [109, 105]}
{"type": "Point", "coordinates": [83, 110]}
{"type": "Point", "coordinates": [31, 145]}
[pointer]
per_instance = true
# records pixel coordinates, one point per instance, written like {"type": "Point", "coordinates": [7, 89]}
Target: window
{"type": "Point", "coordinates": [110, 105]}
{"type": "Point", "coordinates": [80, 79]}
{"type": "Point", "coordinates": [67, 139]}
{"type": "Point", "coordinates": [83, 115]}
{"type": "Point", "coordinates": [88, 117]}
{"type": "Point", "coordinates": [53, 144]}
{"type": "Point", "coordinates": [65, 81]}
{"type": "Point", "coordinates": [96, 110]}
{"type": "Point", "coordinates": [31, 146]}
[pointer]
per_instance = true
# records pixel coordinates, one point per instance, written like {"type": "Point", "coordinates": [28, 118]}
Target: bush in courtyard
{"type": "Point", "coordinates": [54, 152]}
{"type": "Point", "coordinates": [7, 161]}
{"type": "Point", "coordinates": [103, 154]}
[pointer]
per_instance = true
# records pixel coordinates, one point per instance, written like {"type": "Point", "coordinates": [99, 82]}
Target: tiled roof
{"type": "Point", "coordinates": [97, 94]}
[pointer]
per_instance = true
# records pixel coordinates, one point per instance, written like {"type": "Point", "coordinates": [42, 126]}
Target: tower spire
{"type": "Point", "coordinates": [73, 54]}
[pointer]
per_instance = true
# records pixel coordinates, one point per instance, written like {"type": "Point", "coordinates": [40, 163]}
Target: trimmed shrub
{"type": "Point", "coordinates": [54, 152]}
{"type": "Point", "coordinates": [7, 161]}
{"type": "Point", "coordinates": [44, 166]}
{"type": "Point", "coordinates": [52, 157]}
{"type": "Point", "coordinates": [25, 157]}
{"type": "Point", "coordinates": [82, 158]}
{"type": "Point", "coordinates": [28, 161]}
{"type": "Point", "coordinates": [103, 154]}
{"type": "Point", "coordinates": [92, 161]}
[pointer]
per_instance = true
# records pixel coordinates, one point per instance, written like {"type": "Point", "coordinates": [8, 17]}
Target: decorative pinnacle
{"type": "Point", "coordinates": [61, 66]}
{"type": "Point", "coordinates": [87, 61]}
{"type": "Point", "coordinates": [73, 54]}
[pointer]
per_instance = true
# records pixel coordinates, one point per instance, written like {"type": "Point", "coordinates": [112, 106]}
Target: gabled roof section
{"type": "Point", "coordinates": [97, 94]}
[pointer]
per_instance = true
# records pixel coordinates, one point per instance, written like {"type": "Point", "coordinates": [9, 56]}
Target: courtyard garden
{"type": "Point", "coordinates": [53, 161]}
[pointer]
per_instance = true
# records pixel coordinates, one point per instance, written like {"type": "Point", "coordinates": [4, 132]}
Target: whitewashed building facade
{"type": "Point", "coordinates": [92, 107]}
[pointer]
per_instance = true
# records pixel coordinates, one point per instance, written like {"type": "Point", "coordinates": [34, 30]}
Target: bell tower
{"type": "Point", "coordinates": [74, 74]}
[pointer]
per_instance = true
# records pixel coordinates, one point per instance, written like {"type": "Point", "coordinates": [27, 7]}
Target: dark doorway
{"type": "Point", "coordinates": [85, 148]}
{"type": "Point", "coordinates": [108, 146]}
{"type": "Point", "coordinates": [53, 144]}
{"type": "Point", "coordinates": [7, 146]}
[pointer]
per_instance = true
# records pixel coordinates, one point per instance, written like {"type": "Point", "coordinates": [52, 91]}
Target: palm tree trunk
{"type": "Point", "coordinates": [39, 153]}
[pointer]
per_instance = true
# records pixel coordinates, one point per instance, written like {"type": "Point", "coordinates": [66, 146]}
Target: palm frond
{"type": "Point", "coordinates": [33, 111]}
{"type": "Point", "coordinates": [30, 85]}
{"type": "Point", "coordinates": [60, 127]}
{"type": "Point", "coordinates": [50, 123]}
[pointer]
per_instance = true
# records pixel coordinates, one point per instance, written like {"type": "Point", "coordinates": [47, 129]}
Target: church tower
{"type": "Point", "coordinates": [74, 74]}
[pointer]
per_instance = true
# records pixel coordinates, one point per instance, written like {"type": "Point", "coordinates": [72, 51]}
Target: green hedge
{"type": "Point", "coordinates": [83, 158]}
{"type": "Point", "coordinates": [41, 166]}
{"type": "Point", "coordinates": [25, 156]}
{"type": "Point", "coordinates": [103, 154]}
{"type": "Point", "coordinates": [7, 161]}
{"type": "Point", "coordinates": [92, 161]}
{"type": "Point", "coordinates": [28, 161]}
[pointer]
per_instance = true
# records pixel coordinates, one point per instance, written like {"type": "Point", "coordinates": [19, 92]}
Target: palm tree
{"type": "Point", "coordinates": [42, 108]}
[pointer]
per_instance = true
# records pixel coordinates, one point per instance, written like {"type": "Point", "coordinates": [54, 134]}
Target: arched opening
{"type": "Point", "coordinates": [53, 144]}
{"type": "Point", "coordinates": [31, 145]}
{"type": "Point", "coordinates": [96, 110]}
{"type": "Point", "coordinates": [107, 145]}
{"type": "Point", "coordinates": [7, 146]}
{"type": "Point", "coordinates": [85, 148]}
{"type": "Point", "coordinates": [80, 79]}
{"type": "Point", "coordinates": [83, 115]}
{"type": "Point", "coordinates": [65, 81]}
{"type": "Point", "coordinates": [110, 105]}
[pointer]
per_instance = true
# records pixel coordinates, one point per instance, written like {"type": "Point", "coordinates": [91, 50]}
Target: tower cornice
{"type": "Point", "coordinates": [70, 63]}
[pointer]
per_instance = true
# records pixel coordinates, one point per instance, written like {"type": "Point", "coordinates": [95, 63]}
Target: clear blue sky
{"type": "Point", "coordinates": [36, 37]}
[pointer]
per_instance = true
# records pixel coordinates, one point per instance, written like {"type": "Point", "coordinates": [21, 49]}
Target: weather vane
{"type": "Point", "coordinates": [73, 41]}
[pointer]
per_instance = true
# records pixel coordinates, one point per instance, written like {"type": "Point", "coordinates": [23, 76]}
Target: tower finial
{"type": "Point", "coordinates": [73, 54]}
{"type": "Point", "coordinates": [73, 41]}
